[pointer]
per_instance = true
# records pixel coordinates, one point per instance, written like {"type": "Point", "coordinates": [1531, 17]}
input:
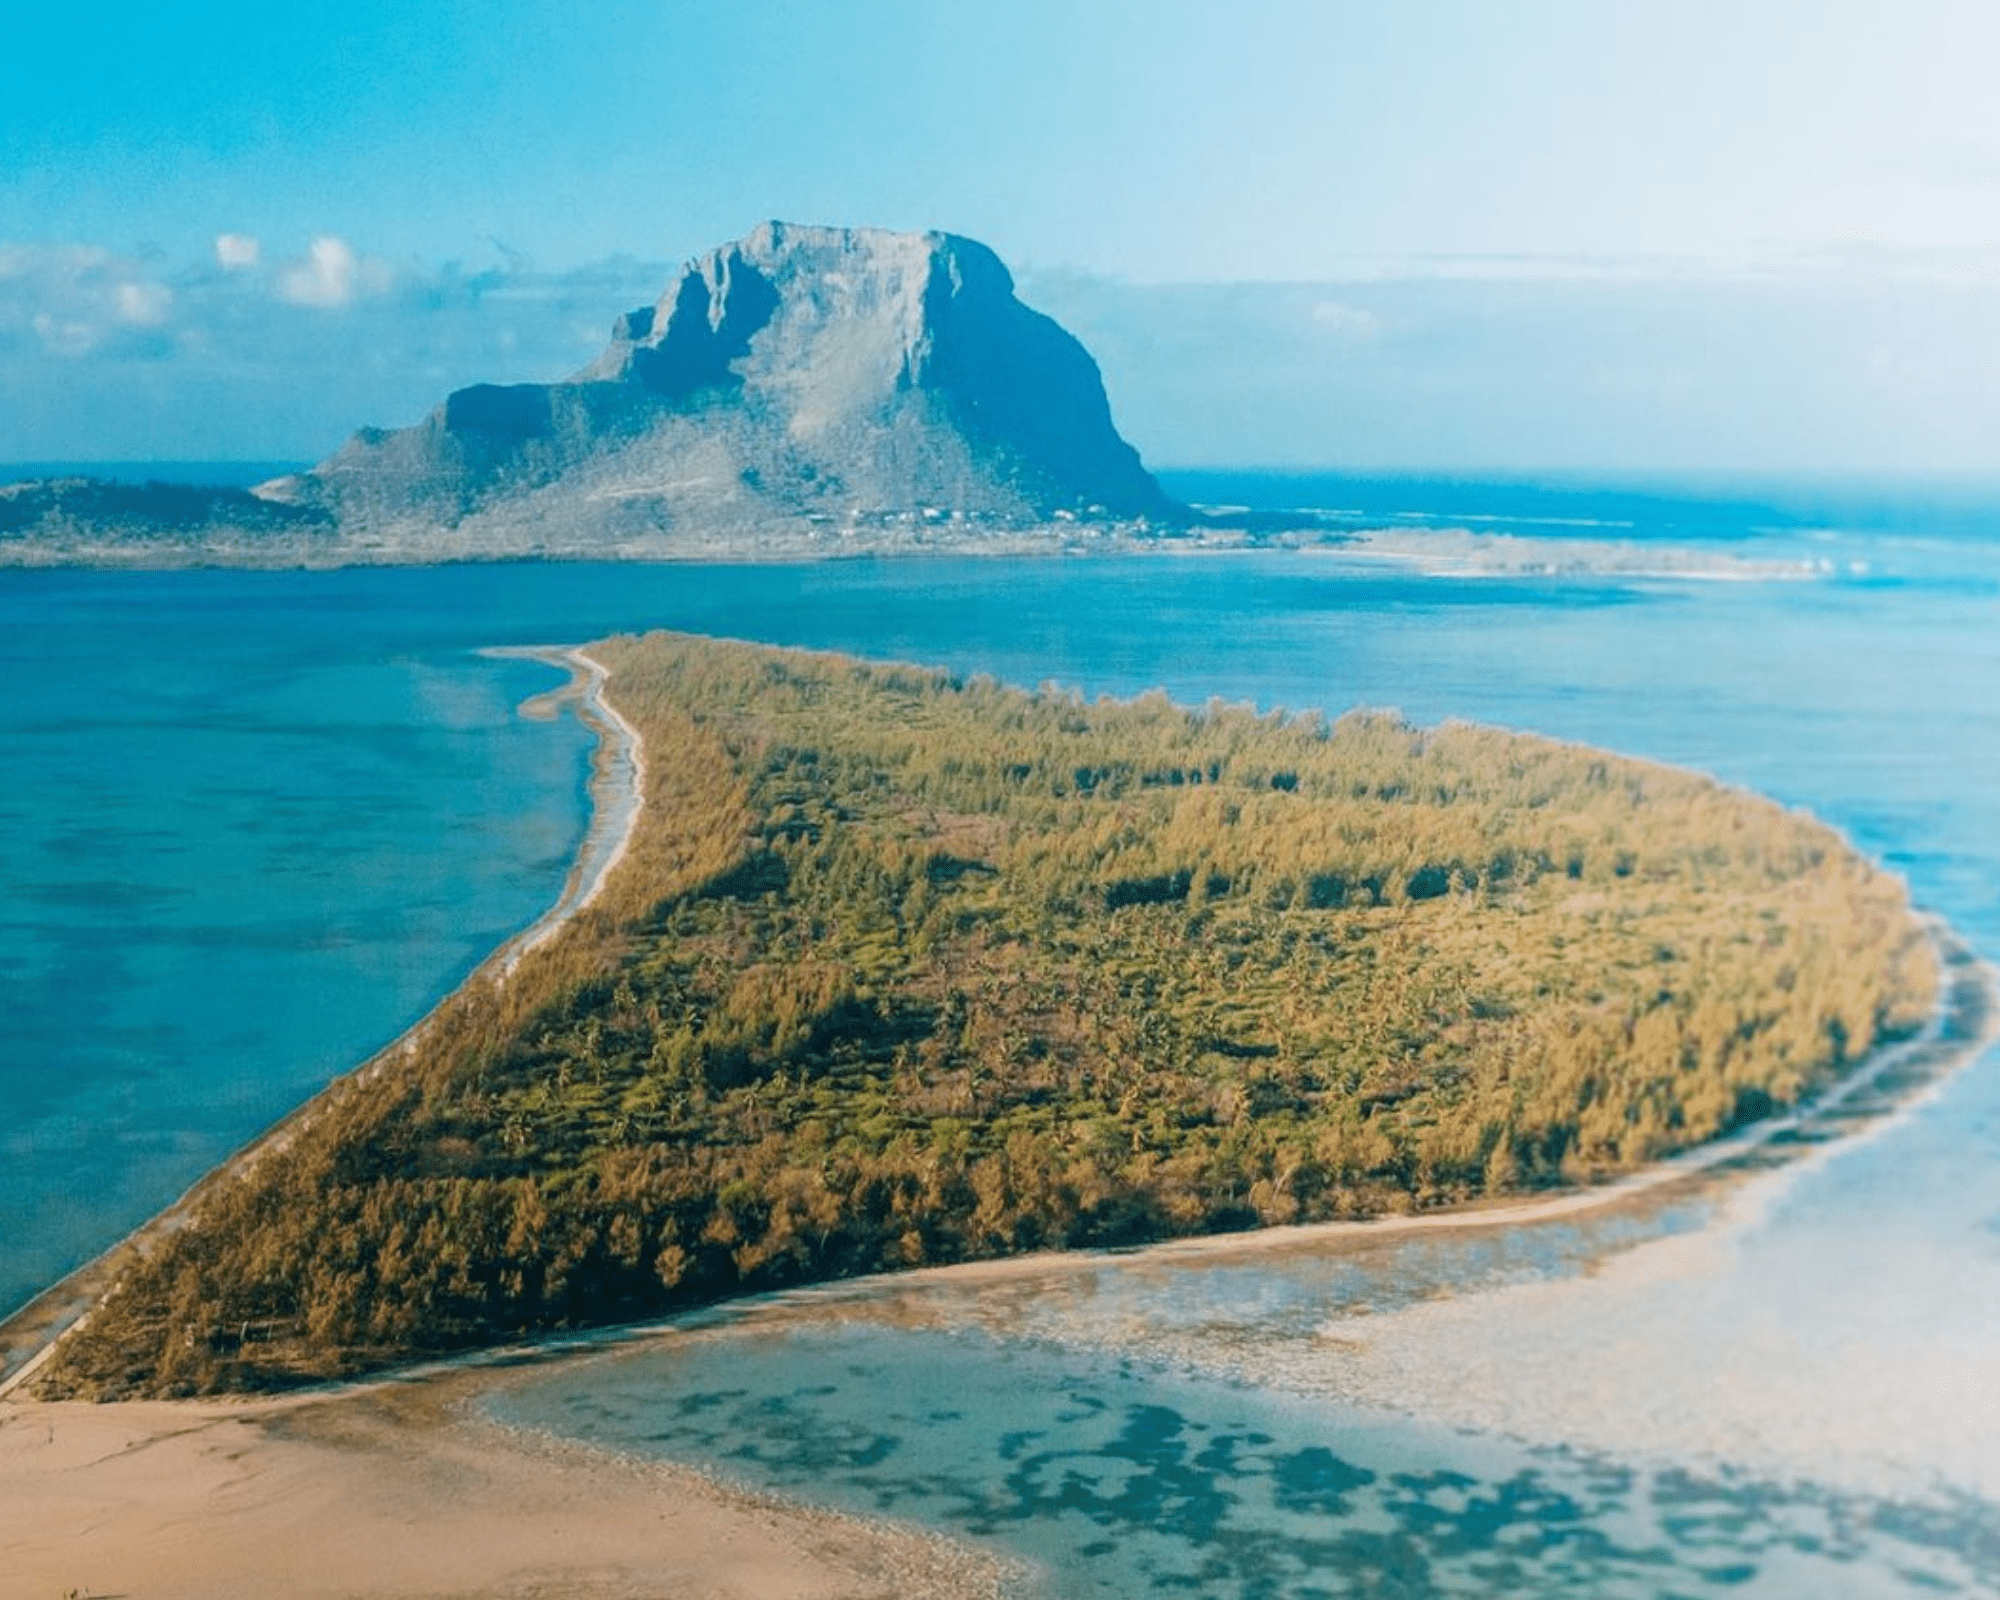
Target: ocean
{"type": "Point", "coordinates": [256, 823]}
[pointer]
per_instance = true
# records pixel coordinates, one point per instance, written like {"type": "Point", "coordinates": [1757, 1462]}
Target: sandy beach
{"type": "Point", "coordinates": [397, 1490]}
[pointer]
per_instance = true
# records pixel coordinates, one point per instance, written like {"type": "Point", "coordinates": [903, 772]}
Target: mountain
{"type": "Point", "coordinates": [803, 383]}
{"type": "Point", "coordinates": [803, 391]}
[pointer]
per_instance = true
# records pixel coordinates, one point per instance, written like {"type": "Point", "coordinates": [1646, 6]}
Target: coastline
{"type": "Point", "coordinates": [30, 1332]}
{"type": "Point", "coordinates": [1894, 1080]}
{"type": "Point", "coordinates": [407, 1491]}
{"type": "Point", "coordinates": [400, 1489]}
{"type": "Point", "coordinates": [617, 787]}
{"type": "Point", "coordinates": [399, 1486]}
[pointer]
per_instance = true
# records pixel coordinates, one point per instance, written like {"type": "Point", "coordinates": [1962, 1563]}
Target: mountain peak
{"type": "Point", "coordinates": [799, 376]}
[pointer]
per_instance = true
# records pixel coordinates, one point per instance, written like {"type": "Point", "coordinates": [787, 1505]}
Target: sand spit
{"type": "Point", "coordinates": [399, 1490]}
{"type": "Point", "coordinates": [617, 787]}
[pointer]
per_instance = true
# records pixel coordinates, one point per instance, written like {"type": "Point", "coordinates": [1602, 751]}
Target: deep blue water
{"type": "Point", "coordinates": [255, 824]}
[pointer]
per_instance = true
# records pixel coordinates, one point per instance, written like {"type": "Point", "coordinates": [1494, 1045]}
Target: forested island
{"type": "Point", "coordinates": [901, 968]}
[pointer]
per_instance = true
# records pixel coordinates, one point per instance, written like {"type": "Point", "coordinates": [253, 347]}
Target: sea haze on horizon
{"type": "Point", "coordinates": [1620, 505]}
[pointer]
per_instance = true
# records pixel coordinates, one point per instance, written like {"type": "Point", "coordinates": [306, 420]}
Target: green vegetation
{"type": "Point", "coordinates": [902, 969]}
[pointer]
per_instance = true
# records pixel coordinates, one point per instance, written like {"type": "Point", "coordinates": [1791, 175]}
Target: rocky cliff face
{"type": "Point", "coordinates": [802, 382]}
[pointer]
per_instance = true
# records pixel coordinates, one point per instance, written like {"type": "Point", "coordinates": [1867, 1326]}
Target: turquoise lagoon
{"type": "Point", "coordinates": [255, 824]}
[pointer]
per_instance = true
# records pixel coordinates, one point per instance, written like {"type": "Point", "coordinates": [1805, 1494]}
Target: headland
{"type": "Point", "coordinates": [407, 1491]}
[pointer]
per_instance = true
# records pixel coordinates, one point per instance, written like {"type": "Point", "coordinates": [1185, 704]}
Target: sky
{"type": "Point", "coordinates": [1511, 236]}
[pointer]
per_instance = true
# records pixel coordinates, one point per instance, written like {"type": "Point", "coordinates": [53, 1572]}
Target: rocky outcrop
{"type": "Point", "coordinates": [802, 383]}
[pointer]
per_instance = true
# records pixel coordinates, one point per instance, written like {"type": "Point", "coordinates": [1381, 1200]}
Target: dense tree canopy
{"type": "Point", "coordinates": [905, 969]}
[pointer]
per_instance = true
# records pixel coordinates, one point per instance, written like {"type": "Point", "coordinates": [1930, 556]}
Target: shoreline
{"type": "Point", "coordinates": [30, 1332]}
{"type": "Point", "coordinates": [1895, 1079]}
{"type": "Point", "coordinates": [397, 1486]}
{"type": "Point", "coordinates": [617, 787]}
{"type": "Point", "coordinates": [401, 1486]}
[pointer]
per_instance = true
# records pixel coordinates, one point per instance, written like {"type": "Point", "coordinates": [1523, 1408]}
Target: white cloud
{"type": "Point", "coordinates": [237, 252]}
{"type": "Point", "coordinates": [109, 354]}
{"type": "Point", "coordinates": [144, 305]}
{"type": "Point", "coordinates": [64, 336]}
{"type": "Point", "coordinates": [72, 301]}
{"type": "Point", "coordinates": [36, 263]}
{"type": "Point", "coordinates": [331, 276]}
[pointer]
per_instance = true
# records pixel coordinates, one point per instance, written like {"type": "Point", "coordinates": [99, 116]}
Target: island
{"type": "Point", "coordinates": [802, 392]}
{"type": "Point", "coordinates": [896, 968]}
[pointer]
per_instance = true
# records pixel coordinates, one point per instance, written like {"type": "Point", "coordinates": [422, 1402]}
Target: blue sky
{"type": "Point", "coordinates": [1539, 234]}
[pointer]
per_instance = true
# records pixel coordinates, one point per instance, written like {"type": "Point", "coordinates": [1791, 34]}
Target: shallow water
{"type": "Point", "coordinates": [1113, 1476]}
{"type": "Point", "coordinates": [258, 822]}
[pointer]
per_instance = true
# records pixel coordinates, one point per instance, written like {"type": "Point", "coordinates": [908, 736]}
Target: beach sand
{"type": "Point", "coordinates": [399, 1490]}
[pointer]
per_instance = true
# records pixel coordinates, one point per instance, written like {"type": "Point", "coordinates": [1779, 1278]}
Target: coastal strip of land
{"type": "Point", "coordinates": [28, 1335]}
{"type": "Point", "coordinates": [903, 969]}
{"type": "Point", "coordinates": [399, 1488]}
{"type": "Point", "coordinates": [617, 787]}
{"type": "Point", "coordinates": [1895, 1079]}
{"type": "Point", "coordinates": [402, 1488]}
